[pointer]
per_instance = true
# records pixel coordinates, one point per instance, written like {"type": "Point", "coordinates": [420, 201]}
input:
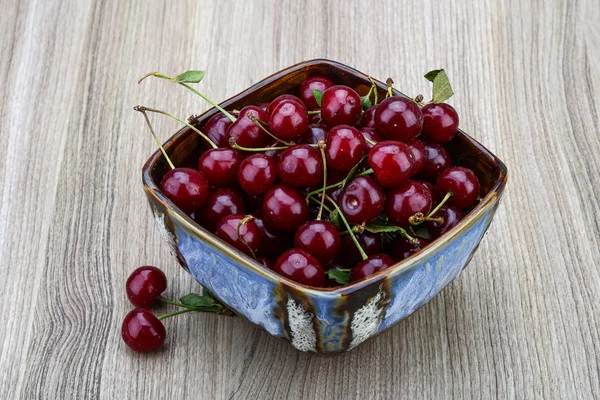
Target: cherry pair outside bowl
{"type": "Point", "coordinates": [318, 320]}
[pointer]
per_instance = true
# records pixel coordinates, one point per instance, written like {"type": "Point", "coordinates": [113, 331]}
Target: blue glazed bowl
{"type": "Point", "coordinates": [319, 320]}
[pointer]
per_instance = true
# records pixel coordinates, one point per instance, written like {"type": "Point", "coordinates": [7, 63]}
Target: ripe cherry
{"type": "Point", "coordinates": [257, 174]}
{"type": "Point", "coordinates": [314, 118]}
{"type": "Point", "coordinates": [144, 285]}
{"type": "Point", "coordinates": [273, 153]}
{"type": "Point", "coordinates": [440, 122]}
{"type": "Point", "coordinates": [362, 200]}
{"type": "Point", "coordinates": [320, 239]}
{"type": "Point", "coordinates": [221, 203]}
{"type": "Point", "coordinates": [371, 265]}
{"type": "Point", "coordinates": [283, 97]}
{"type": "Point", "coordinates": [392, 163]}
{"type": "Point", "coordinates": [404, 248]}
{"type": "Point", "coordinates": [142, 331]}
{"type": "Point", "coordinates": [301, 166]}
{"type": "Point", "coordinates": [429, 187]}
{"type": "Point", "coordinates": [370, 243]}
{"type": "Point", "coordinates": [220, 166]}
{"type": "Point", "coordinates": [288, 120]}
{"type": "Point", "coordinates": [245, 133]}
{"type": "Point", "coordinates": [371, 135]}
{"type": "Point", "coordinates": [216, 130]}
{"type": "Point", "coordinates": [463, 184]}
{"type": "Point", "coordinates": [407, 200]}
{"type": "Point", "coordinates": [399, 118]}
{"type": "Point", "coordinates": [185, 187]}
{"type": "Point", "coordinates": [315, 133]}
{"type": "Point", "coordinates": [340, 105]}
{"type": "Point", "coordinates": [451, 216]}
{"type": "Point", "coordinates": [228, 228]}
{"type": "Point", "coordinates": [417, 149]}
{"type": "Point", "coordinates": [272, 243]}
{"type": "Point", "coordinates": [264, 106]}
{"type": "Point", "coordinates": [285, 208]}
{"type": "Point", "coordinates": [436, 161]}
{"type": "Point", "coordinates": [265, 262]}
{"type": "Point", "coordinates": [345, 147]}
{"type": "Point", "coordinates": [319, 83]}
{"type": "Point", "coordinates": [368, 118]}
{"type": "Point", "coordinates": [301, 267]}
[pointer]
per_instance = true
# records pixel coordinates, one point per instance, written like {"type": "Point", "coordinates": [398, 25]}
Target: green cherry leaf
{"type": "Point", "coordinates": [352, 172]}
{"type": "Point", "coordinates": [195, 300]}
{"type": "Point", "coordinates": [318, 96]}
{"type": "Point", "coordinates": [366, 102]}
{"type": "Point", "coordinates": [380, 227]}
{"type": "Point", "coordinates": [334, 218]}
{"type": "Point", "coordinates": [339, 275]}
{"type": "Point", "coordinates": [442, 90]}
{"type": "Point", "coordinates": [193, 76]}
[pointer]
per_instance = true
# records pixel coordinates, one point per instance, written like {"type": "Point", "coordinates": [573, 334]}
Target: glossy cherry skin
{"type": "Point", "coordinates": [185, 187]}
{"type": "Point", "coordinates": [283, 97]}
{"type": "Point", "coordinates": [437, 160]}
{"type": "Point", "coordinates": [284, 208]}
{"type": "Point", "coordinates": [319, 83]}
{"type": "Point", "coordinates": [371, 135]}
{"type": "Point", "coordinates": [144, 285]}
{"type": "Point", "coordinates": [407, 200]}
{"type": "Point", "coordinates": [370, 243]}
{"type": "Point", "coordinates": [301, 267]}
{"type": "Point", "coordinates": [371, 265]}
{"type": "Point", "coordinates": [220, 166]}
{"type": "Point", "coordinates": [246, 133]}
{"type": "Point", "coordinates": [320, 239]}
{"type": "Point", "coordinates": [345, 147]}
{"type": "Point", "coordinates": [301, 166]}
{"type": "Point", "coordinates": [289, 120]}
{"type": "Point", "coordinates": [216, 130]}
{"type": "Point", "coordinates": [451, 216]}
{"type": "Point", "coordinates": [315, 133]}
{"type": "Point", "coordinates": [257, 174]}
{"type": "Point", "coordinates": [417, 149]}
{"type": "Point", "coordinates": [399, 118]}
{"type": "Point", "coordinates": [368, 118]}
{"type": "Point", "coordinates": [273, 243]}
{"type": "Point", "coordinates": [264, 106]}
{"type": "Point", "coordinates": [273, 153]}
{"type": "Point", "coordinates": [392, 163]}
{"type": "Point", "coordinates": [362, 200]}
{"type": "Point", "coordinates": [463, 184]}
{"type": "Point", "coordinates": [404, 248]}
{"type": "Point", "coordinates": [227, 230]}
{"type": "Point", "coordinates": [340, 105]}
{"type": "Point", "coordinates": [440, 122]}
{"type": "Point", "coordinates": [221, 203]}
{"type": "Point", "coordinates": [142, 331]}
{"type": "Point", "coordinates": [429, 187]}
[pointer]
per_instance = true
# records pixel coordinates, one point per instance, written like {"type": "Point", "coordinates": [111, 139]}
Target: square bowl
{"type": "Point", "coordinates": [325, 321]}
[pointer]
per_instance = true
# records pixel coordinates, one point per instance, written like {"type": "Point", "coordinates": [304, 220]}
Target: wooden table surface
{"type": "Point", "coordinates": [523, 321]}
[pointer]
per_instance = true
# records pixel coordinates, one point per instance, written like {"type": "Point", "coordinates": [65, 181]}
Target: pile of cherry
{"type": "Point", "coordinates": [292, 182]}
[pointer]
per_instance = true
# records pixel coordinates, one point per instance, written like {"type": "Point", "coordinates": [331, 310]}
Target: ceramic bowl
{"type": "Point", "coordinates": [319, 320]}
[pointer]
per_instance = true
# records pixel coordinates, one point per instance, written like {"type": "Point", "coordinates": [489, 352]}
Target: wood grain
{"type": "Point", "coordinates": [523, 321]}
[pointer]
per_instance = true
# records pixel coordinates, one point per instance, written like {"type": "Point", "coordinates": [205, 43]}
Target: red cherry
{"type": "Point", "coordinates": [288, 120]}
{"type": "Point", "coordinates": [369, 242]}
{"type": "Point", "coordinates": [142, 331]}
{"type": "Point", "coordinates": [319, 83]}
{"type": "Point", "coordinates": [273, 153]}
{"type": "Point", "coordinates": [417, 149]}
{"type": "Point", "coordinates": [283, 97]}
{"type": "Point", "coordinates": [392, 163]}
{"type": "Point", "coordinates": [404, 248]}
{"type": "Point", "coordinates": [144, 285]}
{"type": "Point", "coordinates": [220, 166]}
{"type": "Point", "coordinates": [371, 265]}
{"type": "Point", "coordinates": [300, 267]}
{"type": "Point", "coordinates": [273, 243]}
{"type": "Point", "coordinates": [437, 160]}
{"type": "Point", "coordinates": [221, 203]}
{"type": "Point", "coordinates": [399, 118]}
{"type": "Point", "coordinates": [227, 230]}
{"type": "Point", "coordinates": [264, 106]}
{"type": "Point", "coordinates": [315, 133]}
{"type": "Point", "coordinates": [320, 239]}
{"type": "Point", "coordinates": [368, 118]}
{"type": "Point", "coordinates": [345, 147]}
{"type": "Point", "coordinates": [440, 122]}
{"type": "Point", "coordinates": [285, 208]}
{"type": "Point", "coordinates": [371, 135]}
{"type": "Point", "coordinates": [265, 262]}
{"type": "Point", "coordinates": [340, 105]}
{"type": "Point", "coordinates": [463, 184]}
{"type": "Point", "coordinates": [362, 200]}
{"type": "Point", "coordinates": [216, 130]}
{"type": "Point", "coordinates": [186, 188]}
{"type": "Point", "coordinates": [429, 186]}
{"type": "Point", "coordinates": [407, 200]}
{"type": "Point", "coordinates": [314, 118]}
{"type": "Point", "coordinates": [257, 174]}
{"type": "Point", "coordinates": [301, 166]}
{"type": "Point", "coordinates": [450, 215]}
{"type": "Point", "coordinates": [246, 133]}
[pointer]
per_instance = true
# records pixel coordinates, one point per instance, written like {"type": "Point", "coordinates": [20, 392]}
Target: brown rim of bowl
{"type": "Point", "coordinates": [486, 202]}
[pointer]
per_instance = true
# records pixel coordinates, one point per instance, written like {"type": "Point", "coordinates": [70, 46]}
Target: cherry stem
{"type": "Point", "coordinates": [419, 218]}
{"type": "Point", "coordinates": [444, 200]}
{"type": "Point", "coordinates": [373, 85]}
{"type": "Point", "coordinates": [372, 143]}
{"type": "Point", "coordinates": [176, 313]}
{"type": "Point", "coordinates": [354, 239]}
{"type": "Point", "coordinates": [340, 183]}
{"type": "Point", "coordinates": [259, 123]}
{"type": "Point", "coordinates": [169, 78]}
{"type": "Point", "coordinates": [243, 222]}
{"type": "Point", "coordinates": [418, 99]}
{"type": "Point", "coordinates": [389, 82]}
{"type": "Point", "coordinates": [202, 135]}
{"type": "Point", "coordinates": [319, 201]}
{"type": "Point", "coordinates": [322, 146]}
{"type": "Point", "coordinates": [160, 146]}
{"type": "Point", "coordinates": [233, 144]}
{"type": "Point", "coordinates": [313, 112]}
